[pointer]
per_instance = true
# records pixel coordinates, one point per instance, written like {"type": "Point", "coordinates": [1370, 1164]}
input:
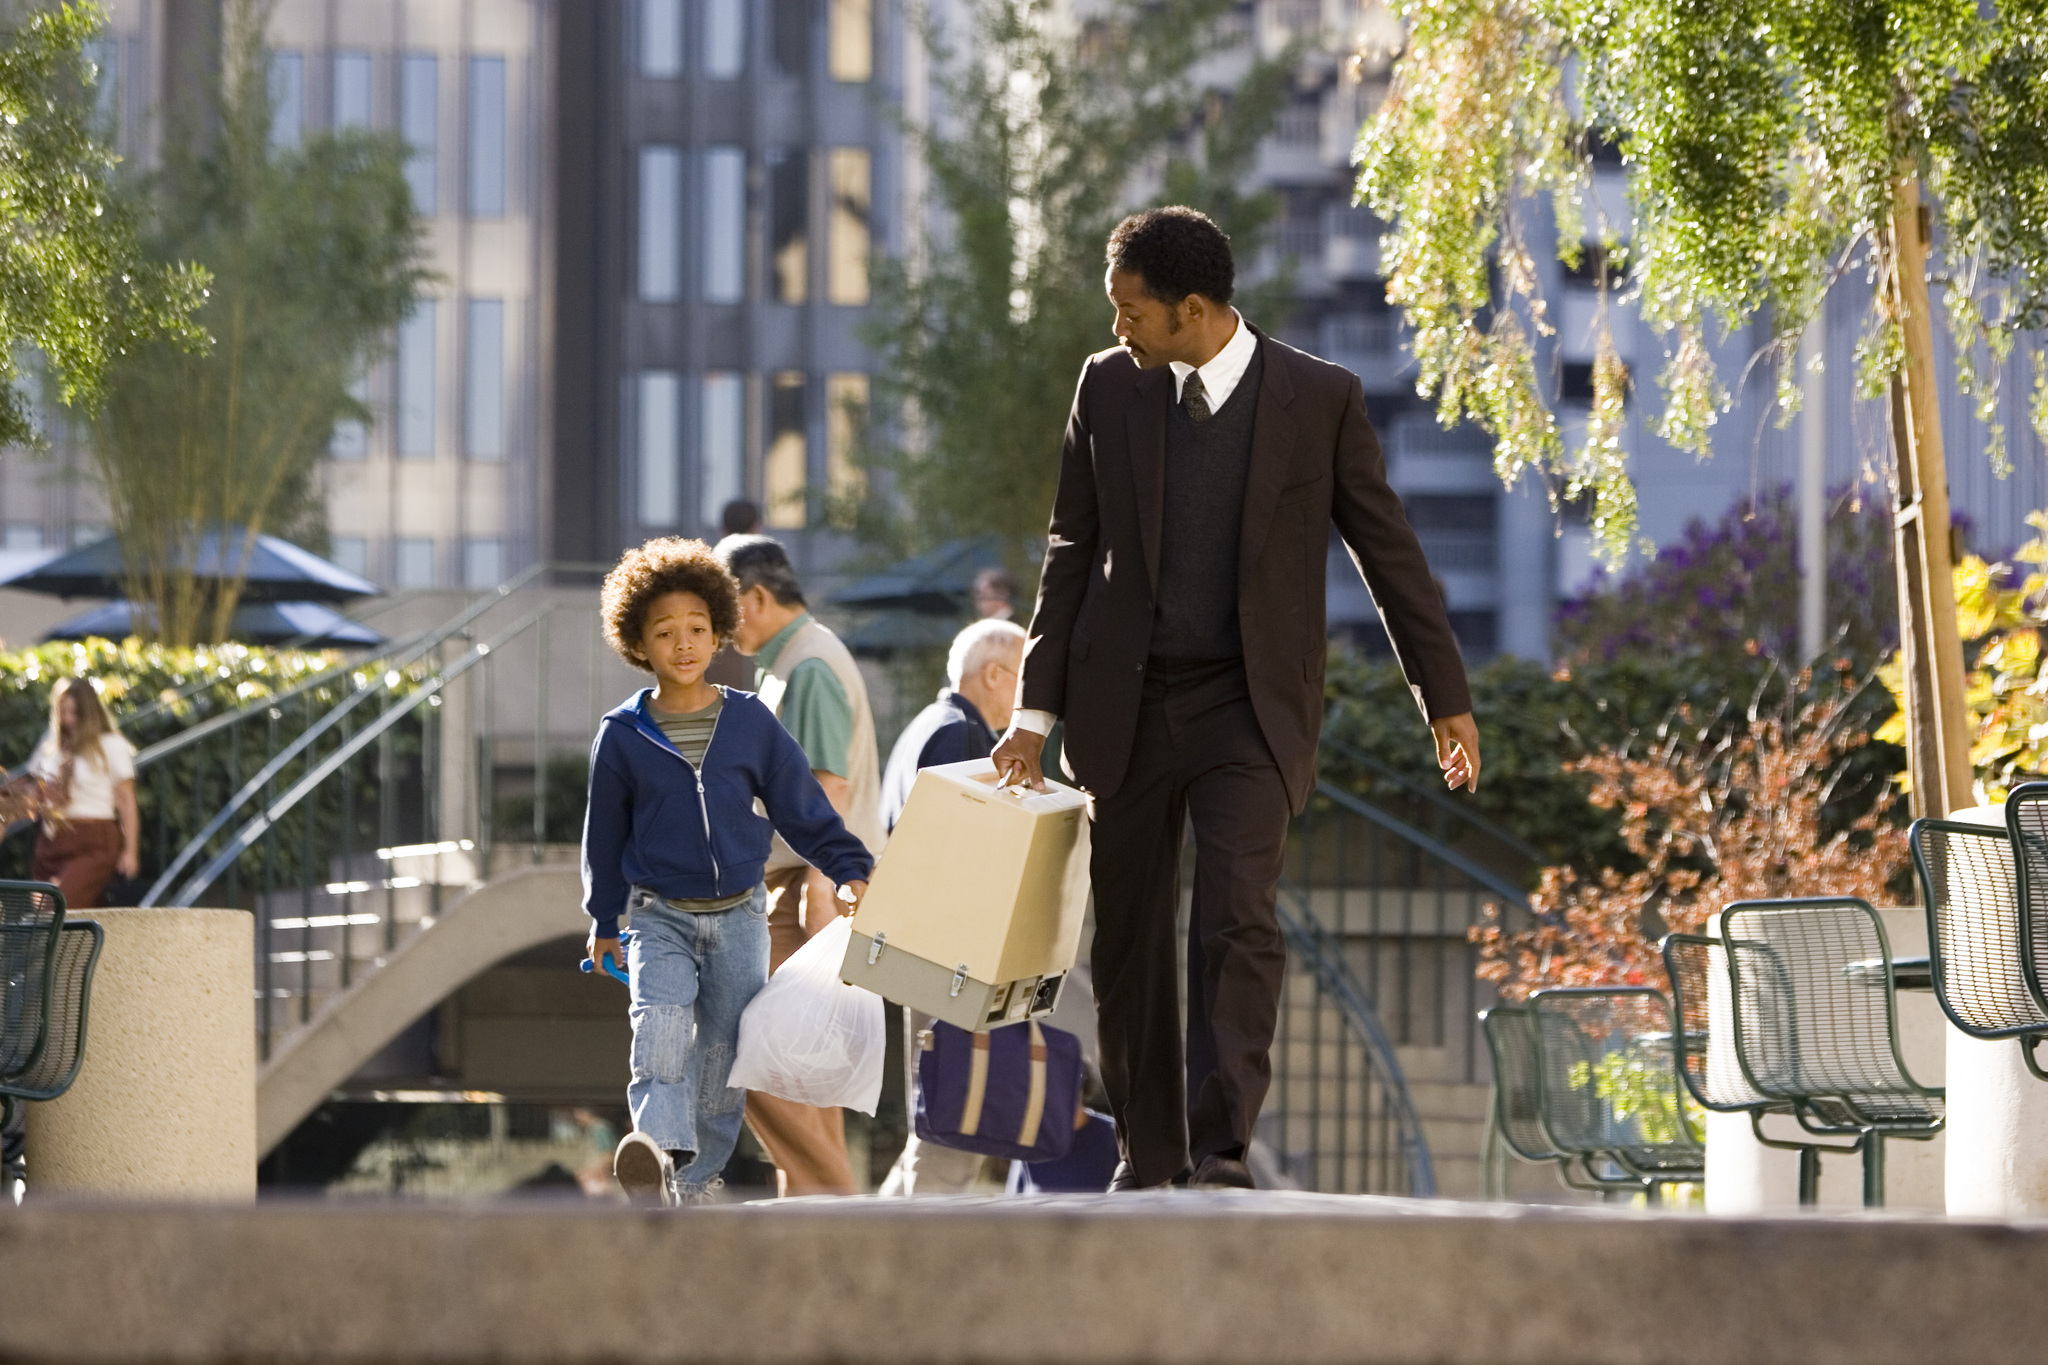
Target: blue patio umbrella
{"type": "Point", "coordinates": [309, 625]}
{"type": "Point", "coordinates": [278, 571]}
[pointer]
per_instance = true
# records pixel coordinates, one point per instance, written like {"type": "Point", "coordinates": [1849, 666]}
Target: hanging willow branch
{"type": "Point", "coordinates": [1764, 141]}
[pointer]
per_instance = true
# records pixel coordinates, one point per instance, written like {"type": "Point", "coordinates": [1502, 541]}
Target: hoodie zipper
{"type": "Point", "coordinates": [697, 772]}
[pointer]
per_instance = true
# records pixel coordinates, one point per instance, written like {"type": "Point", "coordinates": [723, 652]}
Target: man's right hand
{"type": "Point", "coordinates": [1017, 759]}
{"type": "Point", "coordinates": [598, 949]}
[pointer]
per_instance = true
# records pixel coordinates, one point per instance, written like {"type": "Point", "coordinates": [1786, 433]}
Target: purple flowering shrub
{"type": "Point", "coordinates": [1727, 594]}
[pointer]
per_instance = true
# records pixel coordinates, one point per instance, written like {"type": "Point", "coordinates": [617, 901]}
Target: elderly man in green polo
{"type": "Point", "coordinates": [809, 679]}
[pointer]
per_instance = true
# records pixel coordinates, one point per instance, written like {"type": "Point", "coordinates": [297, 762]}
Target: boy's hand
{"type": "Point", "coordinates": [596, 949]}
{"type": "Point", "coordinates": [849, 896]}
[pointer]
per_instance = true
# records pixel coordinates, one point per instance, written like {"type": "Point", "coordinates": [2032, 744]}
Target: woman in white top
{"type": "Point", "coordinates": [90, 828]}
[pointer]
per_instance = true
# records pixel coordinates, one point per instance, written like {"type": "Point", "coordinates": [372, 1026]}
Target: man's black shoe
{"type": "Point", "coordinates": [1222, 1173]}
{"type": "Point", "coordinates": [1126, 1180]}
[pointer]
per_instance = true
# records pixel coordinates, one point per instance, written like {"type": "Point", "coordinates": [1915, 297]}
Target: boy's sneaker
{"type": "Point", "coordinates": [643, 1170]}
{"type": "Point", "coordinates": [693, 1196]}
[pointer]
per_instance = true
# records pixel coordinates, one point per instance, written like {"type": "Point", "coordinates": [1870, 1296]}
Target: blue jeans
{"type": "Point", "coordinates": [692, 975]}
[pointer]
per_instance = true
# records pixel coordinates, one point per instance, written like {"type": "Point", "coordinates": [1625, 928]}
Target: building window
{"type": "Point", "coordinates": [789, 224]}
{"type": "Point", "coordinates": [353, 554]}
{"type": "Point", "coordinates": [414, 566]}
{"type": "Point", "coordinates": [351, 438]}
{"type": "Point", "coordinates": [725, 38]}
{"type": "Point", "coordinates": [21, 535]}
{"type": "Point", "coordinates": [846, 412]}
{"type": "Point", "coordinates": [486, 137]}
{"type": "Point", "coordinates": [483, 563]}
{"type": "Point", "coordinates": [416, 382]}
{"type": "Point", "coordinates": [483, 406]}
{"type": "Point", "coordinates": [351, 90]}
{"type": "Point", "coordinates": [661, 208]}
{"type": "Point", "coordinates": [846, 237]}
{"type": "Point", "coordinates": [287, 98]}
{"type": "Point", "coordinates": [725, 224]}
{"type": "Point", "coordinates": [785, 472]}
{"type": "Point", "coordinates": [791, 39]}
{"type": "Point", "coordinates": [660, 404]}
{"type": "Point", "coordinates": [721, 446]}
{"type": "Point", "coordinates": [850, 39]}
{"type": "Point", "coordinates": [661, 38]}
{"type": "Point", "coordinates": [419, 123]}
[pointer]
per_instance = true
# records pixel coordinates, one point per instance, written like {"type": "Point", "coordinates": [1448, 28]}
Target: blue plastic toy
{"type": "Point", "coordinates": [611, 964]}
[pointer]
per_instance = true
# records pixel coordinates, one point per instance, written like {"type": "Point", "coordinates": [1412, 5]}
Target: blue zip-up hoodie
{"type": "Point", "coordinates": [655, 821]}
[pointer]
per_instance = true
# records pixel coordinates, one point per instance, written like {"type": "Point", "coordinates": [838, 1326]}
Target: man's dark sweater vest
{"type": "Point", "coordinates": [1206, 467]}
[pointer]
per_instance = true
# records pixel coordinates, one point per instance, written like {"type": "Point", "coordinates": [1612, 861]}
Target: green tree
{"type": "Point", "coordinates": [1048, 131]}
{"type": "Point", "coordinates": [317, 253]}
{"type": "Point", "coordinates": [75, 292]}
{"type": "Point", "coordinates": [1773, 146]}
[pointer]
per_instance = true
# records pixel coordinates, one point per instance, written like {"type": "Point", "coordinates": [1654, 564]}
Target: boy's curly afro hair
{"type": "Point", "coordinates": [670, 564]}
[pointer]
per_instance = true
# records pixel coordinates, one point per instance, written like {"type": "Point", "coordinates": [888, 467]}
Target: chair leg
{"type": "Point", "coordinates": [2028, 1042]}
{"type": "Point", "coordinates": [1809, 1176]}
{"type": "Point", "coordinates": [1873, 1170]}
{"type": "Point", "coordinates": [1653, 1194]}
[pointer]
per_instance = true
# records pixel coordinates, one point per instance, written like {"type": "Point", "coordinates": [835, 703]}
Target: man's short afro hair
{"type": "Point", "coordinates": [670, 564]}
{"type": "Point", "coordinates": [1178, 251]}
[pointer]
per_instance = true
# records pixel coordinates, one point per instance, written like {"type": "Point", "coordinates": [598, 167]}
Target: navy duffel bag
{"type": "Point", "coordinates": [1012, 1092]}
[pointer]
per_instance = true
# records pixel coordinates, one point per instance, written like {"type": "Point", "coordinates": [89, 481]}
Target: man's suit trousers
{"type": "Point", "coordinates": [1198, 755]}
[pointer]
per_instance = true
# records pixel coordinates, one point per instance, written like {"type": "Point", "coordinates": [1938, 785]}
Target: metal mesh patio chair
{"type": "Point", "coordinates": [1608, 1082]}
{"type": "Point", "coordinates": [2026, 821]}
{"type": "Point", "coordinates": [1970, 882]}
{"type": "Point", "coordinates": [31, 916]}
{"type": "Point", "coordinates": [1517, 1102]}
{"type": "Point", "coordinates": [1713, 1074]}
{"type": "Point", "coordinates": [1816, 1023]}
{"type": "Point", "coordinates": [1518, 1099]}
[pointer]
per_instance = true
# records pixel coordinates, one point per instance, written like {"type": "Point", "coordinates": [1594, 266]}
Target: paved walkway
{"type": "Point", "coordinates": [1174, 1278]}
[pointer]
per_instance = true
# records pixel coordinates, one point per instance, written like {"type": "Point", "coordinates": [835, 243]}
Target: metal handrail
{"type": "Point", "coordinates": [1427, 843]}
{"type": "Point", "coordinates": [1335, 979]}
{"type": "Point", "coordinates": [1441, 800]}
{"type": "Point", "coordinates": [397, 658]}
{"type": "Point", "coordinates": [389, 717]}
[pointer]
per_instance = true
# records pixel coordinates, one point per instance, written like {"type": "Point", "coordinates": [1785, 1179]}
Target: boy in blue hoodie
{"type": "Point", "coordinates": [672, 839]}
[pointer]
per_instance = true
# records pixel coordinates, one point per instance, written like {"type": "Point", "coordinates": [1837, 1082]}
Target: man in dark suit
{"type": "Point", "coordinates": [1180, 632]}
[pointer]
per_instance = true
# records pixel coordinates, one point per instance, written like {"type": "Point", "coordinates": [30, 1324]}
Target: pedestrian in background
{"type": "Point", "coordinates": [809, 679]}
{"type": "Point", "coordinates": [995, 595]}
{"type": "Point", "coordinates": [730, 668]}
{"type": "Point", "coordinates": [972, 709]}
{"type": "Point", "coordinates": [90, 828]}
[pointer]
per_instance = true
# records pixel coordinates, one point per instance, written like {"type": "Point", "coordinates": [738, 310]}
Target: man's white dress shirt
{"type": "Point", "coordinates": [1219, 381]}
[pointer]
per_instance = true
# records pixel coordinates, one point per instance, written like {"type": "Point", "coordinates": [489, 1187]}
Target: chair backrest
{"type": "Point", "coordinates": [2026, 820]}
{"type": "Point", "coordinates": [1517, 1100]}
{"type": "Point", "coordinates": [1609, 1084]}
{"type": "Point", "coordinates": [1969, 879]}
{"type": "Point", "coordinates": [51, 1074]}
{"type": "Point", "coordinates": [1707, 1064]}
{"type": "Point", "coordinates": [31, 917]}
{"type": "Point", "coordinates": [1815, 1011]}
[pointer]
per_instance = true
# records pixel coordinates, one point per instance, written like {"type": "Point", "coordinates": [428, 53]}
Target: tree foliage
{"type": "Point", "coordinates": [316, 254]}
{"type": "Point", "coordinates": [75, 291]}
{"type": "Point", "coordinates": [1047, 130]}
{"type": "Point", "coordinates": [1766, 142]}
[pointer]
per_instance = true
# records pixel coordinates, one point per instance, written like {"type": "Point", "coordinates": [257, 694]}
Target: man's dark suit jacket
{"type": "Point", "coordinates": [1315, 459]}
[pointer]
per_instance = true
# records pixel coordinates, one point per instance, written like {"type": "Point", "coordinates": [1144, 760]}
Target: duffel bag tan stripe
{"type": "Point", "coordinates": [1034, 1108]}
{"type": "Point", "coordinates": [977, 1087]}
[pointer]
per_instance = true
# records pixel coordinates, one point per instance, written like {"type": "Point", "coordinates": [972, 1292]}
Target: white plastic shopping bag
{"type": "Point", "coordinates": [811, 1038]}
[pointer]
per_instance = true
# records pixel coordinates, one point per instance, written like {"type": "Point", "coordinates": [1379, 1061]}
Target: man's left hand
{"type": "Point", "coordinates": [1457, 750]}
{"type": "Point", "coordinates": [849, 896]}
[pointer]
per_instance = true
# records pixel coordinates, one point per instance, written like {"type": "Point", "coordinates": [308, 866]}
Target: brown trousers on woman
{"type": "Point", "coordinates": [806, 1143]}
{"type": "Point", "coordinates": [79, 858]}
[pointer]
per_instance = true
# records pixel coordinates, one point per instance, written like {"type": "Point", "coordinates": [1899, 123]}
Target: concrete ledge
{"type": "Point", "coordinates": [1229, 1279]}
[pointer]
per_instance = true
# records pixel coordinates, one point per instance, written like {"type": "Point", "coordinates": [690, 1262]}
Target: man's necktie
{"type": "Point", "coordinates": [1194, 397]}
